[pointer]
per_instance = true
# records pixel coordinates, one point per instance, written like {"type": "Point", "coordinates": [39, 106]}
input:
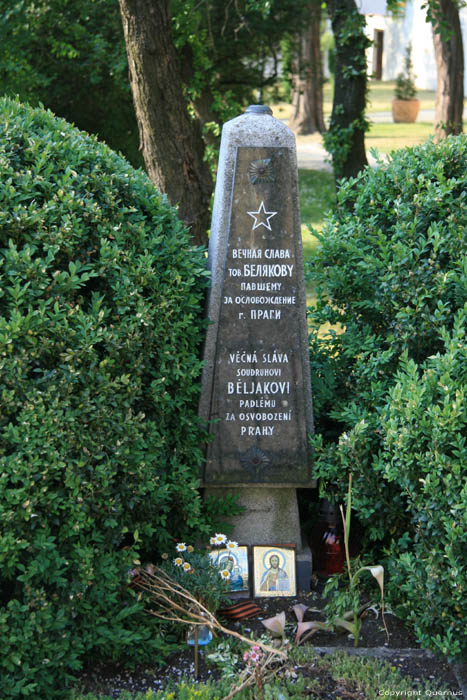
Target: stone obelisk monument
{"type": "Point", "coordinates": [256, 389]}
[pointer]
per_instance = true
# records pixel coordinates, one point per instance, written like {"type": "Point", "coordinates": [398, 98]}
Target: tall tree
{"type": "Point", "coordinates": [230, 50]}
{"type": "Point", "coordinates": [307, 116]}
{"type": "Point", "coordinates": [449, 52]}
{"type": "Point", "coordinates": [345, 139]}
{"type": "Point", "coordinates": [71, 56]}
{"type": "Point", "coordinates": [207, 57]}
{"type": "Point", "coordinates": [170, 140]}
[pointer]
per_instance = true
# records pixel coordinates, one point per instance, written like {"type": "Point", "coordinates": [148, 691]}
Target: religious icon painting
{"type": "Point", "coordinates": [235, 562]}
{"type": "Point", "coordinates": [274, 569]}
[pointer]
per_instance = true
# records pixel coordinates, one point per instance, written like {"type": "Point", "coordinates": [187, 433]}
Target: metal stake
{"type": "Point", "coordinates": [196, 652]}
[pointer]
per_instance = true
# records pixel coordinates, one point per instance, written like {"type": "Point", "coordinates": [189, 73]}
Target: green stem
{"type": "Point", "coordinates": [357, 629]}
{"type": "Point", "coordinates": [346, 525]}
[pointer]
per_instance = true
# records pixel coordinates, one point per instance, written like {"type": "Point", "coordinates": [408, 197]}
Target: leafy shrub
{"type": "Point", "coordinates": [100, 325]}
{"type": "Point", "coordinates": [424, 450]}
{"type": "Point", "coordinates": [391, 271]}
{"type": "Point", "coordinates": [199, 574]}
{"type": "Point", "coordinates": [71, 57]}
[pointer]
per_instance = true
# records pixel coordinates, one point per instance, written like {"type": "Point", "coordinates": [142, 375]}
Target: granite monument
{"type": "Point", "coordinates": [256, 388]}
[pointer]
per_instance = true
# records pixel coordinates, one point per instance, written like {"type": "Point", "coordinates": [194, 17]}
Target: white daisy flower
{"type": "Point", "coordinates": [231, 545]}
{"type": "Point", "coordinates": [178, 561]}
{"type": "Point", "coordinates": [181, 546]}
{"type": "Point", "coordinates": [212, 541]}
{"type": "Point", "coordinates": [190, 549]}
{"type": "Point", "coordinates": [220, 539]}
{"type": "Point", "coordinates": [186, 566]}
{"type": "Point", "coordinates": [224, 573]}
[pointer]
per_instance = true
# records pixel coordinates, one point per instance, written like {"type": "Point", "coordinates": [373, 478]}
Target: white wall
{"type": "Point", "coordinates": [412, 29]}
{"type": "Point", "coordinates": [366, 7]}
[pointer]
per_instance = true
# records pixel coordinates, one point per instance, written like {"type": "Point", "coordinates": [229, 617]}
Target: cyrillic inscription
{"type": "Point", "coordinates": [258, 405]}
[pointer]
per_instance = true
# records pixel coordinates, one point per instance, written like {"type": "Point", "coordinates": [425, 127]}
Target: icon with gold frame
{"type": "Point", "coordinates": [274, 569]}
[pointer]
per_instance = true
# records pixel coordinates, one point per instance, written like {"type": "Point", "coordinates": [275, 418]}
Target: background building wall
{"type": "Point", "coordinates": [398, 33]}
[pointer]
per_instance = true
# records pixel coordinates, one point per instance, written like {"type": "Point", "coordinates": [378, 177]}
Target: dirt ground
{"type": "Point", "coordinates": [401, 650]}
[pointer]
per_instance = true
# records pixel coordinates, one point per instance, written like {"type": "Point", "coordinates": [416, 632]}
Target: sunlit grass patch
{"type": "Point", "coordinates": [317, 197]}
{"type": "Point", "coordinates": [387, 136]}
{"type": "Point", "coordinates": [381, 95]}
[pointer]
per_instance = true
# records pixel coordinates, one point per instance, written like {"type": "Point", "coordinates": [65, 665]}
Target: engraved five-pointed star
{"type": "Point", "coordinates": [261, 217]}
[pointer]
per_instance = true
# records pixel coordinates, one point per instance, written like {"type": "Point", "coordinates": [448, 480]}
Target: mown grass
{"type": "Point", "coordinates": [381, 95]}
{"type": "Point", "coordinates": [317, 198]}
{"type": "Point", "coordinates": [317, 192]}
{"type": "Point", "coordinates": [386, 137]}
{"type": "Point", "coordinates": [383, 136]}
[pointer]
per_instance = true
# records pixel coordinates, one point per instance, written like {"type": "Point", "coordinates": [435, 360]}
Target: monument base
{"type": "Point", "coordinates": [270, 517]}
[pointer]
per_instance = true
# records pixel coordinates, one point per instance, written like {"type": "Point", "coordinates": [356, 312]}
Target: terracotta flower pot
{"type": "Point", "coordinates": [405, 110]}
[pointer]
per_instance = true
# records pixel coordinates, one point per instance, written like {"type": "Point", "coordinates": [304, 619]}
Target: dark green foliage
{"type": "Point", "coordinates": [101, 301]}
{"type": "Point", "coordinates": [391, 271]}
{"type": "Point", "coordinates": [234, 46]}
{"type": "Point", "coordinates": [424, 451]}
{"type": "Point", "coordinates": [70, 56]}
{"type": "Point", "coordinates": [203, 580]}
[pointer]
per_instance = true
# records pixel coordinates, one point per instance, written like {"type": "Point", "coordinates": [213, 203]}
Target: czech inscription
{"type": "Point", "coordinates": [258, 408]}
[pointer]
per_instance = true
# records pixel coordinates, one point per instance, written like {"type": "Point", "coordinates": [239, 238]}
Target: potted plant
{"type": "Point", "coordinates": [405, 105]}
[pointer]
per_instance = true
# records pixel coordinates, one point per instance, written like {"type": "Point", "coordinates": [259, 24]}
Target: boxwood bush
{"type": "Point", "coordinates": [424, 451]}
{"type": "Point", "coordinates": [390, 377]}
{"type": "Point", "coordinates": [101, 298]}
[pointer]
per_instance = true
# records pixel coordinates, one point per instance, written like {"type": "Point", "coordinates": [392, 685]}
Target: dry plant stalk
{"type": "Point", "coordinates": [175, 604]}
{"type": "Point", "coordinates": [260, 675]}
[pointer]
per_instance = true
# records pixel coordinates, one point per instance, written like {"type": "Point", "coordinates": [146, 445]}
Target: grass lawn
{"type": "Point", "coordinates": [317, 191]}
{"type": "Point", "coordinates": [384, 136]}
{"type": "Point", "coordinates": [317, 187]}
{"type": "Point", "coordinates": [381, 96]}
{"type": "Point", "coordinates": [317, 197]}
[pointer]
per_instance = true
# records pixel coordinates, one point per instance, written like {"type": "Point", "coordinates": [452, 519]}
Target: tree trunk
{"type": "Point", "coordinates": [307, 98]}
{"type": "Point", "coordinates": [170, 141]}
{"type": "Point", "coordinates": [346, 137]}
{"type": "Point", "coordinates": [449, 54]}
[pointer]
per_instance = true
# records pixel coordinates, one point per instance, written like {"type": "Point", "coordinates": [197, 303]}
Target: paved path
{"type": "Point", "coordinates": [424, 115]}
{"type": "Point", "coordinates": [313, 156]}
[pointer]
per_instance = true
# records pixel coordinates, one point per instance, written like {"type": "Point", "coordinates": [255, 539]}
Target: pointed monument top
{"type": "Point", "coordinates": [258, 109]}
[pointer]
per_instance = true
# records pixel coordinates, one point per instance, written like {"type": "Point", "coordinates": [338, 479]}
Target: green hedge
{"type": "Point", "coordinates": [101, 299]}
{"type": "Point", "coordinates": [388, 380]}
{"type": "Point", "coordinates": [424, 451]}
